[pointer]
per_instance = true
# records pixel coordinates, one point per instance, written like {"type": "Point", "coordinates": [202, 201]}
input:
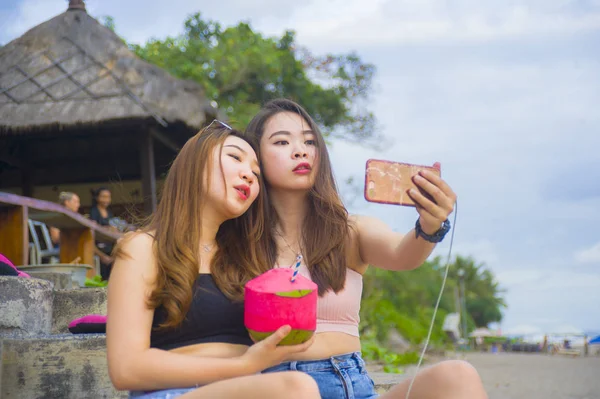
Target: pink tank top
{"type": "Point", "coordinates": [339, 312]}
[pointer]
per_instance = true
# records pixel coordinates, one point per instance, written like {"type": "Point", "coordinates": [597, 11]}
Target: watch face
{"type": "Point", "coordinates": [444, 229]}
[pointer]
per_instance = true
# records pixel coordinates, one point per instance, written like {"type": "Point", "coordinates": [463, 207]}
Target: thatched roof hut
{"type": "Point", "coordinates": [76, 105]}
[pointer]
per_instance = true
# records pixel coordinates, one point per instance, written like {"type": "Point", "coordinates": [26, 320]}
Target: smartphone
{"type": "Point", "coordinates": [387, 182]}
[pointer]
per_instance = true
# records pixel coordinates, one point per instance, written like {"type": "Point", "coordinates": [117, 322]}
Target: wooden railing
{"type": "Point", "coordinates": [77, 233]}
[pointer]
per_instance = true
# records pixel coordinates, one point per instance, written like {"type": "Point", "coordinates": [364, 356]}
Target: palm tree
{"type": "Point", "coordinates": [483, 294]}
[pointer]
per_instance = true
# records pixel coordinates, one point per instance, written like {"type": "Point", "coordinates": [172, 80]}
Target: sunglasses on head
{"type": "Point", "coordinates": [225, 125]}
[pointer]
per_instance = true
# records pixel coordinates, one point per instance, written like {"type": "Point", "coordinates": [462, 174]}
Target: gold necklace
{"type": "Point", "coordinates": [297, 253]}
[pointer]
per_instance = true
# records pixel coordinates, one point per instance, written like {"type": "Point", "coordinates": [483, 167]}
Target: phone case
{"type": "Point", "coordinates": [387, 182]}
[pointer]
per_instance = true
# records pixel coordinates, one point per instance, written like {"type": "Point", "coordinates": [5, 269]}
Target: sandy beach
{"type": "Point", "coordinates": [512, 376]}
{"type": "Point", "coordinates": [529, 376]}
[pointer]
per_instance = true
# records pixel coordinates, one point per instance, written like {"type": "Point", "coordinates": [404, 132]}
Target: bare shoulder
{"type": "Point", "coordinates": [364, 219]}
{"type": "Point", "coordinates": [362, 223]}
{"type": "Point", "coordinates": [374, 240]}
{"type": "Point", "coordinates": [137, 238]}
{"type": "Point", "coordinates": [135, 252]}
{"type": "Point", "coordinates": [354, 222]}
{"type": "Point", "coordinates": [369, 224]}
{"type": "Point", "coordinates": [136, 243]}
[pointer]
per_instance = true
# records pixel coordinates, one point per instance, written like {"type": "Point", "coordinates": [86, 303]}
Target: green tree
{"type": "Point", "coordinates": [240, 69]}
{"type": "Point", "coordinates": [484, 300]}
{"type": "Point", "coordinates": [405, 300]}
{"type": "Point", "coordinates": [109, 22]}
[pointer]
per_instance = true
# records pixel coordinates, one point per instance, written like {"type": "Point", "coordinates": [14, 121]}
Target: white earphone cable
{"type": "Point", "coordinates": [437, 305]}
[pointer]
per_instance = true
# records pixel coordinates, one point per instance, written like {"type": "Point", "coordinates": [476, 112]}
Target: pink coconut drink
{"type": "Point", "coordinates": [281, 297]}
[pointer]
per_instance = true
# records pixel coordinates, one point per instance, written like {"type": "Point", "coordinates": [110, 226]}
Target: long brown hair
{"type": "Point", "coordinates": [176, 227]}
{"type": "Point", "coordinates": [325, 231]}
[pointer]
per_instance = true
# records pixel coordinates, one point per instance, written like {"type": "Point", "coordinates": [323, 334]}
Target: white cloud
{"type": "Point", "coordinates": [499, 125]}
{"type": "Point", "coordinates": [556, 333]}
{"type": "Point", "coordinates": [551, 300]}
{"type": "Point", "coordinates": [535, 280]}
{"type": "Point", "coordinates": [28, 14]}
{"type": "Point", "coordinates": [567, 329]}
{"type": "Point", "coordinates": [139, 20]}
{"type": "Point", "coordinates": [414, 22]}
{"type": "Point", "coordinates": [512, 277]}
{"type": "Point", "coordinates": [523, 329]}
{"type": "Point", "coordinates": [350, 23]}
{"type": "Point", "coordinates": [482, 250]}
{"type": "Point", "coordinates": [589, 255]}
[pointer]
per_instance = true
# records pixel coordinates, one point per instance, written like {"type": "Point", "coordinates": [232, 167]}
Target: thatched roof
{"type": "Point", "coordinates": [71, 71]}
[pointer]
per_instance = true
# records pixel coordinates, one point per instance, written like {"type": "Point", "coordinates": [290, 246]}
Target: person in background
{"type": "Point", "coordinates": [101, 214]}
{"type": "Point", "coordinates": [70, 201]}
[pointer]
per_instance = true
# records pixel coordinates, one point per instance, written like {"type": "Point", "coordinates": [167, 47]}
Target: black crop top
{"type": "Point", "coordinates": [212, 317]}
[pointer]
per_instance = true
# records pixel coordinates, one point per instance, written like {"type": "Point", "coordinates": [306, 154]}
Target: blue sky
{"type": "Point", "coordinates": [505, 95]}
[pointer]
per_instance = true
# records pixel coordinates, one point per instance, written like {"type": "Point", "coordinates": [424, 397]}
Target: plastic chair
{"type": "Point", "coordinates": [42, 244]}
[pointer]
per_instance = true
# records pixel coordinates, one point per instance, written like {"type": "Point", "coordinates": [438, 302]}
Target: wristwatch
{"type": "Point", "coordinates": [435, 237]}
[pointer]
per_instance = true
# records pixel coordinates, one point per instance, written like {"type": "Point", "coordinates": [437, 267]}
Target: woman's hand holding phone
{"type": "Point", "coordinates": [411, 185]}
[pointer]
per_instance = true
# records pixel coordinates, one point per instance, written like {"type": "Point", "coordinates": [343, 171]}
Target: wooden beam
{"type": "Point", "coordinates": [120, 169]}
{"type": "Point", "coordinates": [26, 174]}
{"type": "Point", "coordinates": [26, 183]}
{"type": "Point", "coordinates": [14, 234]}
{"type": "Point", "coordinates": [127, 169]}
{"type": "Point", "coordinates": [148, 172]}
{"type": "Point", "coordinates": [57, 215]}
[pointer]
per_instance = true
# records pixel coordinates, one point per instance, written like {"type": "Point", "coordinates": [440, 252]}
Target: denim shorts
{"type": "Point", "coordinates": [161, 394]}
{"type": "Point", "coordinates": [339, 377]}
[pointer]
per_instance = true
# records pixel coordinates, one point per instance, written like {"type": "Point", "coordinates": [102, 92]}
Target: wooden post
{"type": "Point", "coordinates": [14, 234]}
{"type": "Point", "coordinates": [148, 172]}
{"type": "Point", "coordinates": [78, 242]}
{"type": "Point", "coordinates": [26, 173]}
{"type": "Point", "coordinates": [26, 183]}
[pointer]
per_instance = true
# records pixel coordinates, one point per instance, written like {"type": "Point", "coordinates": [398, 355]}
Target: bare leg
{"type": "Point", "coordinates": [452, 379]}
{"type": "Point", "coordinates": [287, 384]}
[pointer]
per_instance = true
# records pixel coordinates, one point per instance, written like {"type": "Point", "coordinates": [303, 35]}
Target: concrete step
{"type": "Point", "coordinates": [75, 303]}
{"type": "Point", "coordinates": [74, 366]}
{"type": "Point", "coordinates": [61, 281]}
{"type": "Point", "coordinates": [59, 366]}
{"type": "Point", "coordinates": [25, 306]}
{"type": "Point", "coordinates": [34, 364]}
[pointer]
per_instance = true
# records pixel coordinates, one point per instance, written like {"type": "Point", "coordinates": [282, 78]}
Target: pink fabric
{"type": "Point", "coordinates": [8, 262]}
{"type": "Point", "coordinates": [89, 319]}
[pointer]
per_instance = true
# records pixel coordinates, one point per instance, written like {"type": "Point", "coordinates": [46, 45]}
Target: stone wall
{"type": "Point", "coordinates": [39, 358]}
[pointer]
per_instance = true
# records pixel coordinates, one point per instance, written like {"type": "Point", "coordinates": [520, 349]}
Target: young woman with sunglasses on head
{"type": "Point", "coordinates": [175, 313]}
